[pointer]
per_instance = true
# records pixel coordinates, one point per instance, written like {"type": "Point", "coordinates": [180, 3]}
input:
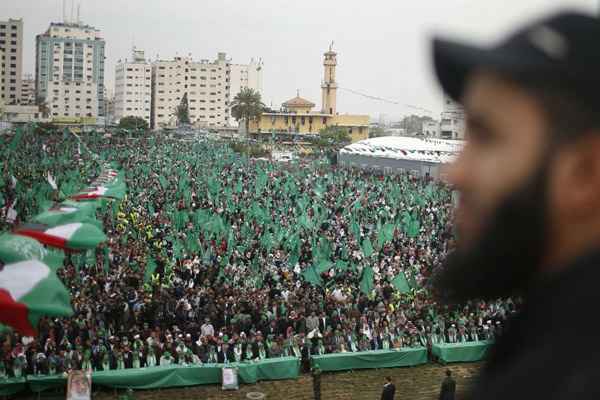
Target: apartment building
{"type": "Point", "coordinates": [133, 87]}
{"type": "Point", "coordinates": [70, 71]}
{"type": "Point", "coordinates": [206, 83]}
{"type": "Point", "coordinates": [11, 44]}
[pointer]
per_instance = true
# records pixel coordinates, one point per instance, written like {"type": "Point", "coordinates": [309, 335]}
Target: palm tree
{"type": "Point", "coordinates": [247, 105]}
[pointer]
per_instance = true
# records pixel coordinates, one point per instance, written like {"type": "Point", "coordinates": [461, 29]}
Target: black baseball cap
{"type": "Point", "coordinates": [561, 50]}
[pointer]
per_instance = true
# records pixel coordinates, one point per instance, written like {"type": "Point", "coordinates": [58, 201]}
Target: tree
{"type": "Point", "coordinates": [334, 136]}
{"type": "Point", "coordinates": [247, 105]}
{"type": "Point", "coordinates": [131, 122]}
{"type": "Point", "coordinates": [44, 128]}
{"type": "Point", "coordinates": [376, 132]}
{"type": "Point", "coordinates": [183, 112]}
{"type": "Point", "coordinates": [413, 124]}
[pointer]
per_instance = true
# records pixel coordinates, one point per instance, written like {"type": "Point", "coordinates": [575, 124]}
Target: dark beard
{"type": "Point", "coordinates": [503, 261]}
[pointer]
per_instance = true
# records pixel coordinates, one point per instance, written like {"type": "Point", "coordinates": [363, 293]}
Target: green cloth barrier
{"type": "Point", "coordinates": [247, 372]}
{"type": "Point", "coordinates": [278, 368]}
{"type": "Point", "coordinates": [159, 377]}
{"type": "Point", "coordinates": [370, 359]}
{"type": "Point", "coordinates": [177, 375]}
{"type": "Point", "coordinates": [10, 386]}
{"type": "Point", "coordinates": [461, 352]}
{"type": "Point", "coordinates": [39, 383]}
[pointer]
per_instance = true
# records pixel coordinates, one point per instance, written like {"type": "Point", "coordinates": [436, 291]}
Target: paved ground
{"type": "Point", "coordinates": [418, 383]}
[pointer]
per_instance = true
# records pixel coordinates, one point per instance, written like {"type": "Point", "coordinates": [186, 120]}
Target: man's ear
{"type": "Point", "coordinates": [575, 178]}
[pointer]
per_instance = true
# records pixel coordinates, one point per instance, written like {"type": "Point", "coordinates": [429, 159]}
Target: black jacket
{"type": "Point", "coordinates": [389, 390]}
{"type": "Point", "coordinates": [448, 389]}
{"type": "Point", "coordinates": [549, 350]}
{"type": "Point", "coordinates": [221, 356]}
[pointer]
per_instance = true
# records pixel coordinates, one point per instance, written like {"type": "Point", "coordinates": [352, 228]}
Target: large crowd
{"type": "Point", "coordinates": [214, 257]}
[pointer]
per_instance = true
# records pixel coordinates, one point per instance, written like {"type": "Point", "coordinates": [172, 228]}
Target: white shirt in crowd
{"type": "Point", "coordinates": [207, 330]}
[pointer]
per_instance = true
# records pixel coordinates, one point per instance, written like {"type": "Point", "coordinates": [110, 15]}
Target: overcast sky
{"type": "Point", "coordinates": [383, 45]}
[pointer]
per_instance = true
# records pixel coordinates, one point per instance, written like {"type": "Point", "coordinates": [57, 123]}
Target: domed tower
{"type": "Point", "coordinates": [329, 86]}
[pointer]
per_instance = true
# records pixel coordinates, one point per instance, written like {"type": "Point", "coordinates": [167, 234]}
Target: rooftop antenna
{"type": "Point", "coordinates": [72, 4]}
{"type": "Point", "coordinates": [64, 11]}
{"type": "Point", "coordinates": [78, 13]}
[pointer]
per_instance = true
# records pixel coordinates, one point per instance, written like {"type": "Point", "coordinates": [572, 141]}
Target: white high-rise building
{"type": "Point", "coordinates": [205, 83]}
{"type": "Point", "coordinates": [70, 71]}
{"type": "Point", "coordinates": [210, 88]}
{"type": "Point", "coordinates": [2, 81]}
{"type": "Point", "coordinates": [245, 76]}
{"type": "Point", "coordinates": [452, 124]}
{"type": "Point", "coordinates": [11, 43]}
{"type": "Point", "coordinates": [133, 87]}
{"type": "Point", "coordinates": [27, 90]}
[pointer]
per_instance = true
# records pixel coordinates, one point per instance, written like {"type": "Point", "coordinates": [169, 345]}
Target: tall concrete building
{"type": "Point", "coordinates": [245, 76]}
{"type": "Point", "coordinates": [70, 71]}
{"type": "Point", "coordinates": [206, 84]}
{"type": "Point", "coordinates": [452, 123]}
{"type": "Point", "coordinates": [133, 87]}
{"type": "Point", "coordinates": [27, 90]}
{"type": "Point", "coordinates": [2, 80]}
{"type": "Point", "coordinates": [11, 43]}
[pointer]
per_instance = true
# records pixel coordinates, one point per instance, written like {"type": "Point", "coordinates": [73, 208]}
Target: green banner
{"type": "Point", "coordinates": [10, 386]}
{"type": "Point", "coordinates": [370, 359]}
{"type": "Point", "coordinates": [175, 375]}
{"type": "Point", "coordinates": [461, 352]}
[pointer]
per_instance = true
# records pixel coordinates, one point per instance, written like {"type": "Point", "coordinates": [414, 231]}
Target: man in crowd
{"type": "Point", "coordinates": [448, 387]}
{"type": "Point", "coordinates": [389, 389]}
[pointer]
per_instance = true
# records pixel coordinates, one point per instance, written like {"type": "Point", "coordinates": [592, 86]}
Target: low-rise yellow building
{"type": "Point", "coordinates": [297, 117]}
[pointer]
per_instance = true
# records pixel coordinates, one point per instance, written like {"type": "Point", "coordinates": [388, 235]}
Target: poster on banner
{"type": "Point", "coordinates": [79, 385]}
{"type": "Point", "coordinates": [230, 379]}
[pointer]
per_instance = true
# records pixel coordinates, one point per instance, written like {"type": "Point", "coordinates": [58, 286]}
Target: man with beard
{"type": "Point", "coordinates": [528, 219]}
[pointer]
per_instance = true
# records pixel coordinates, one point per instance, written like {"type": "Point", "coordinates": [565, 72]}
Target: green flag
{"type": "Point", "coordinates": [411, 280]}
{"type": "Point", "coordinates": [341, 265]}
{"type": "Point", "coordinates": [323, 266]}
{"type": "Point", "coordinates": [367, 248]}
{"type": "Point", "coordinates": [400, 283]}
{"type": "Point", "coordinates": [311, 276]}
{"type": "Point", "coordinates": [150, 268]}
{"type": "Point", "coordinates": [366, 282]}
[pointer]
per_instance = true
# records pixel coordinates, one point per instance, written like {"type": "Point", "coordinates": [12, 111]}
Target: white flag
{"type": "Point", "coordinates": [11, 215]}
{"type": "Point", "coordinates": [13, 182]}
{"type": "Point", "coordinates": [52, 182]}
{"type": "Point", "coordinates": [79, 149]}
